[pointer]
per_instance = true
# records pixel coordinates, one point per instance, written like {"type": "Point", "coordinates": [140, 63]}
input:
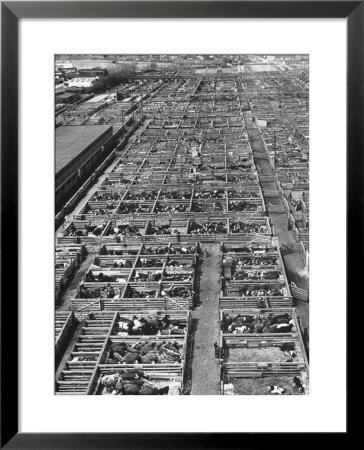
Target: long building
{"type": "Point", "coordinates": [78, 151]}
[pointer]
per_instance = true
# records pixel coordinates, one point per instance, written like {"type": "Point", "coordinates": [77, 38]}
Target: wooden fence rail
{"type": "Point", "coordinates": [298, 293]}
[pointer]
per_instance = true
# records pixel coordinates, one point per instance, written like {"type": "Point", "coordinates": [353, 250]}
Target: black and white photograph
{"type": "Point", "coordinates": [181, 224]}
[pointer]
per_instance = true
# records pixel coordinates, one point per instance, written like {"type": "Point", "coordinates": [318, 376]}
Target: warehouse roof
{"type": "Point", "coordinates": [66, 95]}
{"type": "Point", "coordinates": [72, 140]}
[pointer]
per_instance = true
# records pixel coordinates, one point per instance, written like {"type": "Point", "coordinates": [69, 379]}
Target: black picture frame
{"type": "Point", "coordinates": [11, 12]}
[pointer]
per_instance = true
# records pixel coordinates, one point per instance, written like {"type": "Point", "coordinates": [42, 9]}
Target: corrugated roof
{"type": "Point", "coordinates": [72, 140]}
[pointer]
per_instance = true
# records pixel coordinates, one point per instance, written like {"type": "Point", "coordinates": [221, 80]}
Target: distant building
{"type": "Point", "coordinates": [67, 70]}
{"type": "Point", "coordinates": [79, 150]}
{"type": "Point", "coordinates": [75, 89]}
{"type": "Point", "coordinates": [82, 82]}
{"type": "Point", "coordinates": [67, 97]}
{"type": "Point", "coordinates": [60, 88]}
{"type": "Point", "coordinates": [64, 65]}
{"type": "Point", "coordinates": [92, 72]}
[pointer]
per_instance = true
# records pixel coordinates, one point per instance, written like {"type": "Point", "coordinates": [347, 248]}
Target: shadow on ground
{"type": "Point", "coordinates": [189, 357]}
{"type": "Point", "coordinates": [198, 274]}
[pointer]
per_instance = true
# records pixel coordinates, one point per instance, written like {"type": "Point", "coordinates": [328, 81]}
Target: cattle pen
{"type": "Point", "coordinates": [175, 255]}
{"type": "Point", "coordinates": [94, 355]}
{"type": "Point", "coordinates": [257, 353]}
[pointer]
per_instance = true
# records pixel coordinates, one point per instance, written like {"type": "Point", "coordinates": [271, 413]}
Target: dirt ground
{"type": "Point", "coordinates": [258, 386]}
{"type": "Point", "coordinates": [269, 354]}
{"type": "Point", "coordinates": [204, 370]}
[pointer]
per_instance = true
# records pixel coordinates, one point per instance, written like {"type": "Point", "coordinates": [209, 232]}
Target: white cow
{"type": "Point", "coordinates": [275, 390]}
{"type": "Point", "coordinates": [240, 329]}
{"type": "Point", "coordinates": [137, 324]}
{"type": "Point", "coordinates": [123, 325]}
{"type": "Point", "coordinates": [110, 380]}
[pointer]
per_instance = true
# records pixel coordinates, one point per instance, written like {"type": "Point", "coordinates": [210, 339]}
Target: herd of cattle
{"type": "Point", "coordinates": [188, 177]}
{"type": "Point", "coordinates": [136, 382]}
{"type": "Point", "coordinates": [149, 324]}
{"type": "Point", "coordinates": [145, 352]}
{"type": "Point", "coordinates": [272, 323]}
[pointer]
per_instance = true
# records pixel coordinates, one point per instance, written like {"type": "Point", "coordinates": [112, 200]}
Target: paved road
{"type": "Point", "coordinates": [205, 367]}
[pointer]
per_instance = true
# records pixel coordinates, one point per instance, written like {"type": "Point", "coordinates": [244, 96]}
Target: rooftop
{"type": "Point", "coordinates": [66, 95]}
{"type": "Point", "coordinates": [72, 140]}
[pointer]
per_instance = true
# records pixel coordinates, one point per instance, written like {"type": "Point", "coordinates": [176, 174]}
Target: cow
{"type": "Point", "coordinates": [163, 332]}
{"type": "Point", "coordinates": [117, 357]}
{"type": "Point", "coordinates": [280, 328]}
{"type": "Point", "coordinates": [109, 381]}
{"type": "Point", "coordinates": [123, 324]}
{"type": "Point", "coordinates": [240, 329]}
{"type": "Point", "coordinates": [248, 319]}
{"type": "Point", "coordinates": [283, 318]}
{"type": "Point", "coordinates": [287, 346]}
{"type": "Point", "coordinates": [284, 327]}
{"type": "Point", "coordinates": [231, 327]}
{"type": "Point", "coordinates": [175, 330]}
{"type": "Point", "coordinates": [132, 387]}
{"type": "Point", "coordinates": [137, 324]}
{"type": "Point", "coordinates": [275, 390]}
{"type": "Point", "coordinates": [297, 383]}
